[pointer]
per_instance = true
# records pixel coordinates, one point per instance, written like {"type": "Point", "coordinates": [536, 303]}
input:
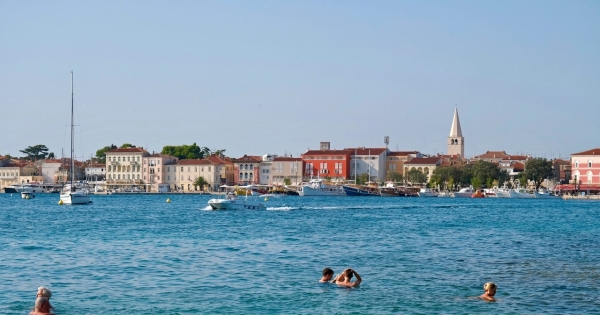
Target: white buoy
{"type": "Point", "coordinates": [168, 200]}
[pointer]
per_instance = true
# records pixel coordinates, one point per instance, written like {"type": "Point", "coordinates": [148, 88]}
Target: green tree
{"type": "Point", "coordinates": [127, 145]}
{"type": "Point", "coordinates": [287, 181]}
{"type": "Point", "coordinates": [35, 152]}
{"type": "Point", "coordinates": [362, 179]}
{"type": "Point", "coordinates": [485, 172]}
{"type": "Point", "coordinates": [8, 156]}
{"type": "Point", "coordinates": [51, 155]}
{"type": "Point", "coordinates": [201, 182]}
{"type": "Point", "coordinates": [184, 151]}
{"type": "Point", "coordinates": [476, 182]}
{"type": "Point", "coordinates": [538, 169]}
{"type": "Point", "coordinates": [416, 177]}
{"type": "Point", "coordinates": [503, 177]}
{"type": "Point", "coordinates": [393, 176]}
{"type": "Point", "coordinates": [101, 153]}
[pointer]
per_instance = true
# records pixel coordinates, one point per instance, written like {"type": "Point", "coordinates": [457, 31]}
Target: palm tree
{"type": "Point", "coordinates": [200, 181]}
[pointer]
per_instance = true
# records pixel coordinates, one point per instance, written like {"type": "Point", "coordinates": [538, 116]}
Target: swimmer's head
{"type": "Point", "coordinates": [490, 287]}
{"type": "Point", "coordinates": [327, 272]}
{"type": "Point", "coordinates": [44, 292]}
{"type": "Point", "coordinates": [42, 305]}
{"type": "Point", "coordinates": [348, 273]}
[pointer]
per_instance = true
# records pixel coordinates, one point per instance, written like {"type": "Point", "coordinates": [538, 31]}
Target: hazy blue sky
{"type": "Point", "coordinates": [256, 77]}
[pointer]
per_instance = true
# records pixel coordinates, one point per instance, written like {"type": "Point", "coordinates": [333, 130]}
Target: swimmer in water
{"type": "Point", "coordinates": [42, 302]}
{"type": "Point", "coordinates": [490, 291]}
{"type": "Point", "coordinates": [327, 275]}
{"type": "Point", "coordinates": [344, 279]}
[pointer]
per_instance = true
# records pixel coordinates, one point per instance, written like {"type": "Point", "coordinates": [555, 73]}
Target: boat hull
{"type": "Point", "coordinates": [353, 191]}
{"type": "Point", "coordinates": [75, 199]}
{"type": "Point", "coordinates": [309, 191]}
{"type": "Point", "coordinates": [228, 204]}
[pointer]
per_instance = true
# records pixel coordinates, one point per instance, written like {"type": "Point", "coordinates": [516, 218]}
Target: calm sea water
{"type": "Point", "coordinates": [137, 254]}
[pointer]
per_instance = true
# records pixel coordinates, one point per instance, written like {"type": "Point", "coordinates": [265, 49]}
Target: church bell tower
{"type": "Point", "coordinates": [456, 141]}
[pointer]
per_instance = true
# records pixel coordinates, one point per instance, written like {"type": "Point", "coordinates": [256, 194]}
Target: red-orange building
{"type": "Point", "coordinates": [326, 163]}
{"type": "Point", "coordinates": [246, 170]}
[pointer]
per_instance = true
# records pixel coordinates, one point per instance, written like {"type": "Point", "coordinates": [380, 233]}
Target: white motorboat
{"type": "Point", "coordinates": [231, 202]}
{"type": "Point", "coordinates": [316, 187]}
{"type": "Point", "coordinates": [427, 192]}
{"type": "Point", "coordinates": [466, 192]}
{"type": "Point", "coordinates": [520, 193]}
{"type": "Point", "coordinates": [497, 192]}
{"type": "Point", "coordinates": [70, 194]}
{"type": "Point", "coordinates": [544, 193]}
{"type": "Point", "coordinates": [11, 189]}
{"type": "Point", "coordinates": [30, 188]}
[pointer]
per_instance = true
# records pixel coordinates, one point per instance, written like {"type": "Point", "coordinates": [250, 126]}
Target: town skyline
{"type": "Point", "coordinates": [279, 78]}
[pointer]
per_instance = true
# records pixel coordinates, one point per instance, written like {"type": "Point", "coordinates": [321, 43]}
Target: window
{"type": "Point", "coordinates": [138, 176]}
{"type": "Point", "coordinates": [279, 168]}
{"type": "Point", "coordinates": [195, 168]}
{"type": "Point", "coordinates": [590, 163]}
{"type": "Point", "coordinates": [589, 177]}
{"type": "Point", "coordinates": [168, 177]}
{"type": "Point", "coordinates": [182, 169]}
{"type": "Point", "coordinates": [209, 168]}
{"type": "Point", "coordinates": [169, 169]}
{"type": "Point", "coordinates": [576, 163]}
{"type": "Point", "coordinates": [188, 168]}
{"type": "Point", "coordinates": [309, 169]}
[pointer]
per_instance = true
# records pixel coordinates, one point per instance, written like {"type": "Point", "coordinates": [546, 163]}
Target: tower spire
{"type": "Point", "coordinates": [455, 130]}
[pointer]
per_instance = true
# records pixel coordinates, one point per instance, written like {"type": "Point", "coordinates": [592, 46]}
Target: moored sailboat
{"type": "Point", "coordinates": [70, 194]}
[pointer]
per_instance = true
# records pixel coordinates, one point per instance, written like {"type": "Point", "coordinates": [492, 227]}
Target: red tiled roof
{"type": "Point", "coordinates": [517, 158]}
{"type": "Point", "coordinates": [595, 151]}
{"type": "Point", "coordinates": [161, 155]}
{"type": "Point", "coordinates": [248, 159]}
{"type": "Point", "coordinates": [423, 161]}
{"type": "Point", "coordinates": [130, 150]}
{"type": "Point", "coordinates": [96, 165]}
{"type": "Point", "coordinates": [367, 151]}
{"type": "Point", "coordinates": [287, 159]}
{"type": "Point", "coordinates": [492, 155]}
{"type": "Point", "coordinates": [193, 162]}
{"type": "Point", "coordinates": [402, 153]}
{"type": "Point", "coordinates": [327, 152]}
{"type": "Point", "coordinates": [218, 160]}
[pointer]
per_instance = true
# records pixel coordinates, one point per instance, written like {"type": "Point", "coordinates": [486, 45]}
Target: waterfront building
{"type": "Point", "coordinates": [326, 163]}
{"type": "Point", "coordinates": [9, 173]}
{"type": "Point", "coordinates": [246, 170]}
{"type": "Point", "coordinates": [585, 167]}
{"type": "Point", "coordinates": [154, 170]}
{"type": "Point", "coordinates": [370, 161]}
{"type": "Point", "coordinates": [562, 170]}
{"type": "Point", "coordinates": [500, 156]}
{"type": "Point", "coordinates": [289, 168]}
{"type": "Point", "coordinates": [95, 172]}
{"type": "Point", "coordinates": [215, 170]}
{"type": "Point", "coordinates": [425, 165]}
{"type": "Point", "coordinates": [394, 160]}
{"type": "Point", "coordinates": [456, 141]}
{"type": "Point", "coordinates": [264, 169]}
{"type": "Point", "coordinates": [124, 167]}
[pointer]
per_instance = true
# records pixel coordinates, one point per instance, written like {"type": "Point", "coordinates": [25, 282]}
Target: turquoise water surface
{"type": "Point", "coordinates": [137, 254]}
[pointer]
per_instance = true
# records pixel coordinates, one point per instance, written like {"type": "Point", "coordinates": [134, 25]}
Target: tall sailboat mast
{"type": "Point", "coordinates": [72, 161]}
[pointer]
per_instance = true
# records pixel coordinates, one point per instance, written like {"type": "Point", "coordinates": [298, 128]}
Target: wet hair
{"type": "Point", "coordinates": [327, 271]}
{"type": "Point", "coordinates": [348, 273]}
{"type": "Point", "coordinates": [45, 292]}
{"type": "Point", "coordinates": [42, 305]}
{"type": "Point", "coordinates": [489, 286]}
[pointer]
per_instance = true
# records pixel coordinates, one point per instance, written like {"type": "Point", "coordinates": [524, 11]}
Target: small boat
{"type": "Point", "coordinates": [478, 194]}
{"type": "Point", "coordinates": [520, 193]}
{"type": "Point", "coordinates": [389, 190]}
{"type": "Point", "coordinates": [466, 192]}
{"type": "Point", "coordinates": [231, 202]}
{"type": "Point", "coordinates": [316, 187]}
{"type": "Point", "coordinates": [427, 192]}
{"type": "Point", "coordinates": [27, 195]}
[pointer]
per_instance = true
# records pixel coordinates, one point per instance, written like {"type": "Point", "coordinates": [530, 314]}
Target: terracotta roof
{"type": "Point", "coordinates": [423, 161]}
{"type": "Point", "coordinates": [130, 150]}
{"type": "Point", "coordinates": [367, 151]}
{"type": "Point", "coordinates": [193, 162]}
{"type": "Point", "coordinates": [517, 157]}
{"type": "Point", "coordinates": [219, 160]}
{"type": "Point", "coordinates": [402, 153]}
{"type": "Point", "coordinates": [96, 165]}
{"type": "Point", "coordinates": [327, 152]}
{"type": "Point", "coordinates": [54, 160]}
{"type": "Point", "coordinates": [248, 159]}
{"type": "Point", "coordinates": [161, 155]}
{"type": "Point", "coordinates": [595, 151]}
{"type": "Point", "coordinates": [287, 159]}
{"type": "Point", "coordinates": [492, 155]}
